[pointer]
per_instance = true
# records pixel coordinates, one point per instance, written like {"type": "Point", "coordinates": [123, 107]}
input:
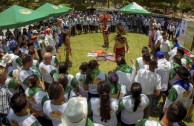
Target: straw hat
{"type": "Point", "coordinates": [8, 58]}
{"type": "Point", "coordinates": [76, 112]}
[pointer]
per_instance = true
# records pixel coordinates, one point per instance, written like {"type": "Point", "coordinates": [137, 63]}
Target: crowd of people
{"type": "Point", "coordinates": [36, 89]}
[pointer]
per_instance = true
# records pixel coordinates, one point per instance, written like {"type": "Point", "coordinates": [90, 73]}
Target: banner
{"type": "Point", "coordinates": [189, 38]}
{"type": "Point", "coordinates": [183, 29]}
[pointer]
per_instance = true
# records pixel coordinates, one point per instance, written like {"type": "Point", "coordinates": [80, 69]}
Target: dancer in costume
{"type": "Point", "coordinates": [104, 17]}
{"type": "Point", "coordinates": [66, 41]}
{"type": "Point", "coordinates": [120, 47]}
{"type": "Point", "coordinates": [121, 29]}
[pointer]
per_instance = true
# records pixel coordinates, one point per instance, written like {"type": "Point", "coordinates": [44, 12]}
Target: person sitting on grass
{"type": "Point", "coordinates": [18, 115]}
{"type": "Point", "coordinates": [37, 97]}
{"type": "Point", "coordinates": [55, 107]}
{"type": "Point", "coordinates": [118, 91]}
{"type": "Point", "coordinates": [176, 112]}
{"type": "Point", "coordinates": [132, 106]}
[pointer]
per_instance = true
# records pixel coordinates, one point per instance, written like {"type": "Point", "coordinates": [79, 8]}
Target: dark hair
{"type": "Point", "coordinates": [93, 64]}
{"type": "Point", "coordinates": [176, 112]}
{"type": "Point", "coordinates": [136, 91]}
{"type": "Point", "coordinates": [104, 93]}
{"type": "Point", "coordinates": [30, 44]}
{"type": "Point", "coordinates": [32, 81]}
{"type": "Point", "coordinates": [177, 60]}
{"type": "Point", "coordinates": [175, 40]}
{"type": "Point", "coordinates": [63, 80]}
{"type": "Point", "coordinates": [49, 48]}
{"type": "Point", "coordinates": [164, 33]}
{"type": "Point", "coordinates": [55, 91]}
{"type": "Point", "coordinates": [181, 51]}
{"type": "Point", "coordinates": [63, 67]}
{"type": "Point", "coordinates": [113, 79]}
{"type": "Point", "coordinates": [145, 50]}
{"type": "Point", "coordinates": [146, 57]}
{"type": "Point", "coordinates": [31, 52]}
{"type": "Point", "coordinates": [18, 102]}
{"type": "Point", "coordinates": [14, 48]}
{"type": "Point", "coordinates": [153, 63]}
{"type": "Point", "coordinates": [121, 62]}
{"type": "Point", "coordinates": [84, 67]}
{"type": "Point", "coordinates": [26, 59]}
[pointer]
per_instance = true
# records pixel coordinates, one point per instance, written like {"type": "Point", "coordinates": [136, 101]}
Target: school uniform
{"type": "Point", "coordinates": [47, 72]}
{"type": "Point", "coordinates": [181, 91]}
{"type": "Point", "coordinates": [140, 64]}
{"type": "Point", "coordinates": [126, 75]}
{"type": "Point", "coordinates": [27, 120]}
{"type": "Point", "coordinates": [72, 82]}
{"type": "Point", "coordinates": [97, 77]}
{"type": "Point", "coordinates": [150, 81]}
{"type": "Point", "coordinates": [172, 75]}
{"type": "Point", "coordinates": [165, 46]}
{"type": "Point", "coordinates": [12, 85]}
{"type": "Point", "coordinates": [128, 116]}
{"type": "Point", "coordinates": [122, 91]}
{"type": "Point", "coordinates": [81, 77]}
{"type": "Point", "coordinates": [146, 122]}
{"type": "Point", "coordinates": [24, 74]}
{"type": "Point", "coordinates": [54, 112]}
{"type": "Point", "coordinates": [54, 61]}
{"type": "Point", "coordinates": [95, 108]}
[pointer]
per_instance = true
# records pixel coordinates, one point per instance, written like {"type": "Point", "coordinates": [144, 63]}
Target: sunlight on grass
{"type": "Point", "coordinates": [82, 44]}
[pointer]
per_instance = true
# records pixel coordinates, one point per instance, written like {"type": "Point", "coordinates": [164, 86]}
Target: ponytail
{"type": "Point", "coordinates": [32, 81]}
{"type": "Point", "coordinates": [136, 91]}
{"type": "Point", "coordinates": [105, 109]}
{"type": "Point", "coordinates": [113, 79]}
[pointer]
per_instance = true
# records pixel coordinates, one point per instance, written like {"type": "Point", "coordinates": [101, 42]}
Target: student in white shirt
{"type": "Point", "coordinates": [165, 44]}
{"type": "Point", "coordinates": [150, 82]}
{"type": "Point", "coordinates": [118, 91]}
{"type": "Point", "coordinates": [27, 71]}
{"type": "Point", "coordinates": [142, 62]}
{"type": "Point", "coordinates": [163, 70]}
{"type": "Point", "coordinates": [36, 97]}
{"type": "Point", "coordinates": [55, 107]}
{"type": "Point", "coordinates": [68, 91]}
{"type": "Point", "coordinates": [54, 61]}
{"type": "Point", "coordinates": [18, 115]}
{"type": "Point", "coordinates": [104, 108]}
{"type": "Point", "coordinates": [47, 70]}
{"type": "Point", "coordinates": [126, 74]}
{"type": "Point", "coordinates": [81, 77]}
{"type": "Point", "coordinates": [182, 90]}
{"type": "Point", "coordinates": [173, 114]}
{"type": "Point", "coordinates": [132, 106]}
{"type": "Point", "coordinates": [94, 76]}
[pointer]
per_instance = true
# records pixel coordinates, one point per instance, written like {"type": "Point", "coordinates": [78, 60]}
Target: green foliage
{"type": "Point", "coordinates": [80, 7]}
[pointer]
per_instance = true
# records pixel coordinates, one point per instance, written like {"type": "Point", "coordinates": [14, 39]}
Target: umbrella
{"type": "Point", "coordinates": [134, 8]}
{"type": "Point", "coordinates": [51, 9]}
{"type": "Point", "coordinates": [65, 7]}
{"type": "Point", "coordinates": [17, 16]}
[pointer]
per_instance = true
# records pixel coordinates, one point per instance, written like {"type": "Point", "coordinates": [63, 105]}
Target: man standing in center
{"type": "Point", "coordinates": [150, 82]}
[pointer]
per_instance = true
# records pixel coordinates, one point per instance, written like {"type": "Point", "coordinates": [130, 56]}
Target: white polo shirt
{"type": "Point", "coordinates": [95, 107]}
{"type": "Point", "coordinates": [128, 116]}
{"type": "Point", "coordinates": [27, 120]}
{"type": "Point", "coordinates": [163, 70]}
{"type": "Point", "coordinates": [140, 64]}
{"type": "Point", "coordinates": [164, 46]}
{"type": "Point", "coordinates": [81, 77]}
{"type": "Point", "coordinates": [150, 81]}
{"type": "Point", "coordinates": [54, 112]}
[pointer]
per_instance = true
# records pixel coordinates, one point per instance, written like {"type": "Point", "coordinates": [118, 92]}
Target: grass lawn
{"type": "Point", "coordinates": [82, 44]}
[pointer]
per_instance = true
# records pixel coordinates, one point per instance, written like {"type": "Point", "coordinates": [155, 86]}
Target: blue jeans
{"type": "Point", "coordinates": [156, 100]}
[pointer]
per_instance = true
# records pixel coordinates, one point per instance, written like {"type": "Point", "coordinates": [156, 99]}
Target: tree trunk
{"type": "Point", "coordinates": [108, 3]}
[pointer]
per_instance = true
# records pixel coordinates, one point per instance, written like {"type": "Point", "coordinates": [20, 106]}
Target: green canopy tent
{"type": "Point", "coordinates": [134, 8]}
{"type": "Point", "coordinates": [17, 16]}
{"type": "Point", "coordinates": [65, 7]}
{"type": "Point", "coordinates": [51, 10]}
